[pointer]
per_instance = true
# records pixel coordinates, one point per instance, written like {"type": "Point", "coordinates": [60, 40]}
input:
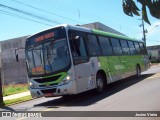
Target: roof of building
{"type": "Point", "coordinates": [155, 47]}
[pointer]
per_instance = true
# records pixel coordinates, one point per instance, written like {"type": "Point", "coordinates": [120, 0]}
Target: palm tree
{"type": "Point", "coordinates": [130, 8]}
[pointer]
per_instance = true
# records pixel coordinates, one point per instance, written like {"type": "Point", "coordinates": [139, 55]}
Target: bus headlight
{"type": "Point", "coordinates": [32, 85]}
{"type": "Point", "coordinates": [66, 80]}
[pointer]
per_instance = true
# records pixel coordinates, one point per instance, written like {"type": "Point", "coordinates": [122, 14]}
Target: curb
{"type": "Point", "coordinates": [19, 101]}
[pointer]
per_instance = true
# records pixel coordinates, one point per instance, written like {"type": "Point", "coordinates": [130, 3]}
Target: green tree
{"type": "Point", "coordinates": [130, 8]}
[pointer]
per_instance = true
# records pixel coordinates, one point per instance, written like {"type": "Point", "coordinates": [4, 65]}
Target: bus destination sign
{"type": "Point", "coordinates": [43, 37]}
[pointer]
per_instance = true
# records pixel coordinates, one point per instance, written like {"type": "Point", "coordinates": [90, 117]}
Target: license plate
{"type": "Point", "coordinates": [48, 94]}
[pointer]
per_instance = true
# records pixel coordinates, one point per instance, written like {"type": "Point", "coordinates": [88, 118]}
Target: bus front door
{"type": "Point", "coordinates": [82, 65]}
{"type": "Point", "coordinates": [84, 75]}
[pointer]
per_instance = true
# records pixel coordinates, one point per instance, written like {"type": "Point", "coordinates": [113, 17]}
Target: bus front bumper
{"type": "Point", "coordinates": [60, 90]}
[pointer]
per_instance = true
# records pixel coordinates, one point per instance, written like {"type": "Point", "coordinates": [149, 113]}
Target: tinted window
{"type": "Point", "coordinates": [116, 46]}
{"type": "Point", "coordinates": [125, 47]}
{"type": "Point", "coordinates": [137, 47]}
{"type": "Point", "coordinates": [104, 40]}
{"type": "Point", "coordinates": [92, 45]}
{"type": "Point", "coordinates": [131, 47]}
{"type": "Point", "coordinates": [92, 39]}
{"type": "Point", "coordinates": [78, 47]}
{"type": "Point", "coordinates": [77, 44]}
{"type": "Point", "coordinates": [115, 42]}
{"type": "Point", "coordinates": [105, 46]}
{"type": "Point", "coordinates": [124, 43]}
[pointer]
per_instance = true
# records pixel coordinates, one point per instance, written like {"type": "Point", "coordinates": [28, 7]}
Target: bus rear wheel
{"type": "Point", "coordinates": [100, 83]}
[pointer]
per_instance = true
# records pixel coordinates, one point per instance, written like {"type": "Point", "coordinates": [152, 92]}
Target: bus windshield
{"type": "Point", "coordinates": [47, 57]}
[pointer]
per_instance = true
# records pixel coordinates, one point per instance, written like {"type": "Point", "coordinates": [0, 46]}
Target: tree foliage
{"type": "Point", "coordinates": [130, 8]}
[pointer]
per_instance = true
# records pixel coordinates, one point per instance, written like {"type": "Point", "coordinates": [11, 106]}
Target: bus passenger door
{"type": "Point", "coordinates": [83, 69]}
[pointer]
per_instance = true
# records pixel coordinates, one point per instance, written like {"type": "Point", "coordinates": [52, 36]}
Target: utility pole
{"type": "Point", "coordinates": [144, 32]}
{"type": "Point", "coordinates": [1, 93]}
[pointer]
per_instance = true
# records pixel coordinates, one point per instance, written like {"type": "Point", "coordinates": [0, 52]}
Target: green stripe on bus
{"type": "Point", "coordinates": [113, 64]}
{"type": "Point", "coordinates": [113, 35]}
{"type": "Point", "coordinates": [63, 75]}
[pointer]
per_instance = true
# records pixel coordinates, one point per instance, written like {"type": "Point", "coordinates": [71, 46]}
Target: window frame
{"type": "Point", "coordinates": [123, 47]}
{"type": "Point", "coordinates": [112, 54]}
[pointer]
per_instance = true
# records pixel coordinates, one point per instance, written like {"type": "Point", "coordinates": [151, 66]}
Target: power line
{"type": "Point", "coordinates": [152, 29]}
{"type": "Point", "coordinates": [45, 11]}
{"type": "Point", "coordinates": [29, 14]}
{"type": "Point", "coordinates": [133, 33]}
{"type": "Point", "coordinates": [84, 15]}
{"type": "Point", "coordinates": [18, 16]}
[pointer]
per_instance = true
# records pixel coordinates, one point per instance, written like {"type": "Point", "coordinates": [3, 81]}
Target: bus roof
{"type": "Point", "coordinates": [89, 30]}
{"type": "Point", "coordinates": [99, 32]}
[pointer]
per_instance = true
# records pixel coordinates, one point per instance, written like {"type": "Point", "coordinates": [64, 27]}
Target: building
{"type": "Point", "coordinates": [15, 72]}
{"type": "Point", "coordinates": [154, 52]}
{"type": "Point", "coordinates": [101, 27]}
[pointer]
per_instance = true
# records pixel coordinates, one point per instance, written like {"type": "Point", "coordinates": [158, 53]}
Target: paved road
{"type": "Point", "coordinates": [130, 94]}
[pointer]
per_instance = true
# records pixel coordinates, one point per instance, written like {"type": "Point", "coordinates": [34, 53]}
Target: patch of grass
{"type": "Point", "coordinates": [17, 100]}
{"type": "Point", "coordinates": [14, 89]}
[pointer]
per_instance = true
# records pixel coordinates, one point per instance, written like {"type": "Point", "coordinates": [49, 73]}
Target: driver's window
{"type": "Point", "coordinates": [78, 47]}
{"type": "Point", "coordinates": [77, 44]}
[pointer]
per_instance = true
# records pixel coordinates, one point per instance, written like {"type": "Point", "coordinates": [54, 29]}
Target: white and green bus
{"type": "Point", "coordinates": [67, 60]}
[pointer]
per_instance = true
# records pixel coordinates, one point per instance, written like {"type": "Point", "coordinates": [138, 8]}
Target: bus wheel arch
{"type": "Point", "coordinates": [101, 81]}
{"type": "Point", "coordinates": [138, 71]}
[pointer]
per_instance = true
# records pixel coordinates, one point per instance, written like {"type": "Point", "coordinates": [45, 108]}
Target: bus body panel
{"type": "Point", "coordinates": [86, 75]}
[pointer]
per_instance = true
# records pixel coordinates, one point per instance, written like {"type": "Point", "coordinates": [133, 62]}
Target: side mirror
{"type": "Point", "coordinates": [17, 58]}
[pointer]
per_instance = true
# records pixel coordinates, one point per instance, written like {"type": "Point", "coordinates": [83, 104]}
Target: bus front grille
{"type": "Point", "coordinates": [49, 79]}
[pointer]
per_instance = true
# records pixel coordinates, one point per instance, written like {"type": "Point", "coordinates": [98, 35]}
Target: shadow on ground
{"type": "Point", "coordinates": [90, 97]}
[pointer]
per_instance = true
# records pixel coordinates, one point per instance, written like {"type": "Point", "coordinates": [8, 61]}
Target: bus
{"type": "Point", "coordinates": [66, 60]}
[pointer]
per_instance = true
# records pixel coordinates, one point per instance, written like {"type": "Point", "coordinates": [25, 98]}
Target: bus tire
{"type": "Point", "coordinates": [138, 71]}
{"type": "Point", "coordinates": [100, 85]}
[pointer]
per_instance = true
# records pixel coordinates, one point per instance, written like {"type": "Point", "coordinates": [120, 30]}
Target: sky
{"type": "Point", "coordinates": [38, 15]}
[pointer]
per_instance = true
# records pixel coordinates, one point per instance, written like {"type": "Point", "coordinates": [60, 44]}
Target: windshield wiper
{"type": "Point", "coordinates": [38, 54]}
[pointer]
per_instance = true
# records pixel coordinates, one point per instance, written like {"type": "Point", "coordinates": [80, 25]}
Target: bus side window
{"type": "Point", "coordinates": [131, 47]}
{"type": "Point", "coordinates": [125, 47]}
{"type": "Point", "coordinates": [137, 47]}
{"type": "Point", "coordinates": [77, 44]}
{"type": "Point", "coordinates": [116, 46]}
{"type": "Point", "coordinates": [105, 45]}
{"type": "Point", "coordinates": [92, 45]}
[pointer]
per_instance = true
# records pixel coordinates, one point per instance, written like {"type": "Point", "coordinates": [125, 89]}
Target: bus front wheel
{"type": "Point", "coordinates": [138, 71]}
{"type": "Point", "coordinates": [99, 83]}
